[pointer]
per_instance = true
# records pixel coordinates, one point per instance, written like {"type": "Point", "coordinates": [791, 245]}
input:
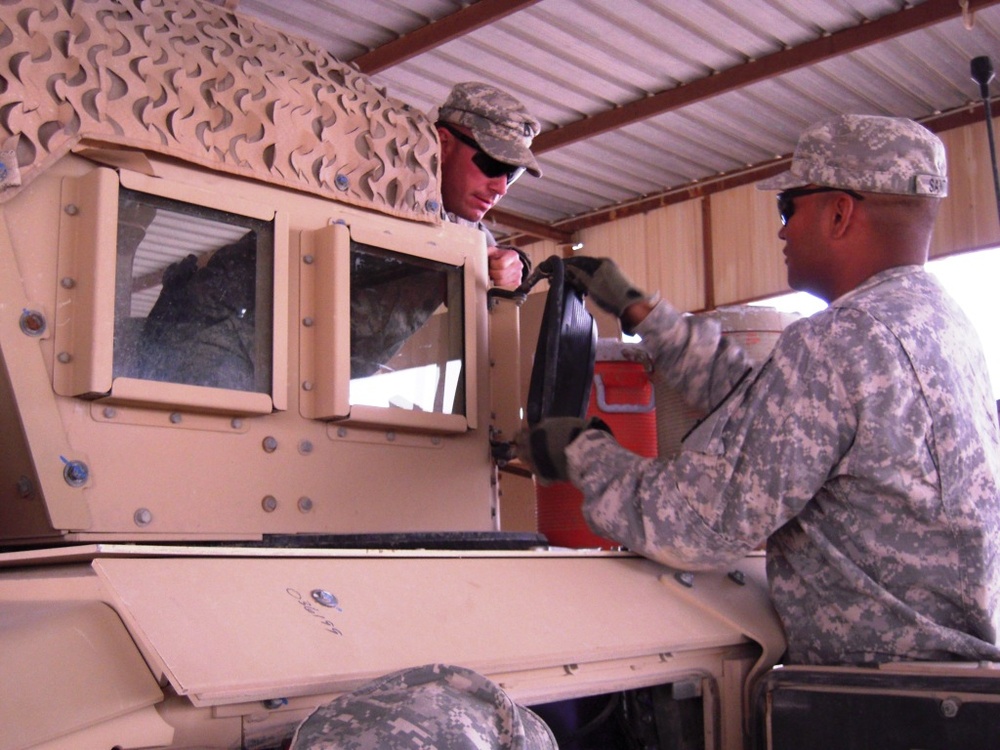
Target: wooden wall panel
{"type": "Point", "coordinates": [968, 218]}
{"type": "Point", "coordinates": [624, 241]}
{"type": "Point", "coordinates": [675, 254]}
{"type": "Point", "coordinates": [746, 253]}
{"type": "Point", "coordinates": [660, 251]}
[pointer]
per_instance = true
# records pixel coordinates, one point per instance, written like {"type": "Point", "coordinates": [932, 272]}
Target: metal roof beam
{"type": "Point", "coordinates": [529, 227]}
{"type": "Point", "coordinates": [809, 53]}
{"type": "Point", "coordinates": [437, 33]}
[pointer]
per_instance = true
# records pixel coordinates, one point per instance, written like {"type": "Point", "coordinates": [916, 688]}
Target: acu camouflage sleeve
{"type": "Point", "coordinates": [692, 356]}
{"type": "Point", "coordinates": [743, 472]}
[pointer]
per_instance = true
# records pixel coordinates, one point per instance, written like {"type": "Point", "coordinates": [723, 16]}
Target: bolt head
{"type": "Point", "coordinates": [685, 578]}
{"type": "Point", "coordinates": [75, 473]}
{"type": "Point", "coordinates": [32, 323]}
{"type": "Point", "coordinates": [325, 598]}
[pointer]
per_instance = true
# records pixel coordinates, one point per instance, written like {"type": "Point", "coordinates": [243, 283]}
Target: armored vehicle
{"type": "Point", "coordinates": [252, 398]}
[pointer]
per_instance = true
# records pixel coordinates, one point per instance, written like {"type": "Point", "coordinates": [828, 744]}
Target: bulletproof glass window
{"type": "Point", "coordinates": [193, 295]}
{"type": "Point", "coordinates": [407, 332]}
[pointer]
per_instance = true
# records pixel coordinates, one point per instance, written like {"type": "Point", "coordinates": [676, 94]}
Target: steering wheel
{"type": "Point", "coordinates": [563, 367]}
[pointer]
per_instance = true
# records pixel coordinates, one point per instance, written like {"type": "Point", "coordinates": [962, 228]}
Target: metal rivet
{"type": "Point", "coordinates": [75, 473]}
{"type": "Point", "coordinates": [32, 323]}
{"type": "Point", "coordinates": [737, 577]}
{"type": "Point", "coordinates": [436, 440]}
{"type": "Point", "coordinates": [433, 206]}
{"type": "Point", "coordinates": [110, 412]}
{"type": "Point", "coordinates": [67, 283]}
{"type": "Point", "coordinates": [305, 504]}
{"type": "Point", "coordinates": [142, 517]}
{"type": "Point", "coordinates": [176, 417]}
{"type": "Point", "coordinates": [390, 436]}
{"type": "Point", "coordinates": [308, 259]}
{"type": "Point", "coordinates": [342, 182]}
{"type": "Point", "coordinates": [305, 447]}
{"type": "Point", "coordinates": [270, 444]}
{"type": "Point", "coordinates": [341, 432]}
{"type": "Point", "coordinates": [236, 423]}
{"type": "Point", "coordinates": [273, 703]}
{"type": "Point", "coordinates": [269, 503]}
{"type": "Point", "coordinates": [72, 209]}
{"type": "Point", "coordinates": [324, 598]}
{"type": "Point", "coordinates": [307, 385]}
{"type": "Point", "coordinates": [25, 488]}
{"type": "Point", "coordinates": [308, 322]}
{"type": "Point", "coordinates": [685, 579]}
{"type": "Point", "coordinates": [64, 357]}
{"type": "Point", "coordinates": [949, 707]}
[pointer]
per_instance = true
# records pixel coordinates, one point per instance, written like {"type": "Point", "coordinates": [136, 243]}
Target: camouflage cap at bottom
{"type": "Point", "coordinates": [432, 706]}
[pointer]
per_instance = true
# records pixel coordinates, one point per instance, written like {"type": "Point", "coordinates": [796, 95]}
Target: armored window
{"type": "Point", "coordinates": [391, 326]}
{"type": "Point", "coordinates": [192, 295]}
{"type": "Point", "coordinates": [176, 301]}
{"type": "Point", "coordinates": [406, 332]}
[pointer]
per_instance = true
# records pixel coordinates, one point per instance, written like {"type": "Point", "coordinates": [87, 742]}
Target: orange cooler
{"type": "Point", "coordinates": [622, 395]}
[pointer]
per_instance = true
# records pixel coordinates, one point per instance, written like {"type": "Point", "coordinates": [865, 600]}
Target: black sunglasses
{"type": "Point", "coordinates": [786, 199]}
{"type": "Point", "coordinates": [484, 162]}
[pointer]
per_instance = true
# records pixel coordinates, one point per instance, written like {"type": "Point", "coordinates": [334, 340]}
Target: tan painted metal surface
{"type": "Point", "coordinates": [262, 636]}
{"type": "Point", "coordinates": [205, 474]}
{"type": "Point", "coordinates": [67, 667]}
{"type": "Point", "coordinates": [243, 629]}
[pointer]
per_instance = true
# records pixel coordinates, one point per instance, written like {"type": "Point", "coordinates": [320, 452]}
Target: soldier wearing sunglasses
{"type": "Point", "coordinates": [486, 139]}
{"type": "Point", "coordinates": [865, 452]}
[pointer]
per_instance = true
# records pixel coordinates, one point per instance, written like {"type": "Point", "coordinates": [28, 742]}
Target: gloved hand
{"type": "Point", "coordinates": [604, 282]}
{"type": "Point", "coordinates": [543, 447]}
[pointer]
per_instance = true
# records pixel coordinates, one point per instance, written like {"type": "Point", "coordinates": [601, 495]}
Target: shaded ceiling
{"type": "Point", "coordinates": [646, 102]}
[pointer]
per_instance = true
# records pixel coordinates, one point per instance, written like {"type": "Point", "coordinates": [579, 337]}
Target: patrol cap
{"type": "Point", "coordinates": [867, 153]}
{"type": "Point", "coordinates": [435, 705]}
{"type": "Point", "coordinates": [500, 124]}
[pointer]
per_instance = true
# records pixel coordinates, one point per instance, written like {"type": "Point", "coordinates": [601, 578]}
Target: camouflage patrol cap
{"type": "Point", "coordinates": [869, 154]}
{"type": "Point", "coordinates": [500, 124]}
{"type": "Point", "coordinates": [432, 706]}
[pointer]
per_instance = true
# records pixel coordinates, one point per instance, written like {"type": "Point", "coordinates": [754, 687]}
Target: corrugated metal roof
{"type": "Point", "coordinates": [638, 98]}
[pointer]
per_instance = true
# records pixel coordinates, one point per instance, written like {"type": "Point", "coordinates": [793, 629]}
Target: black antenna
{"type": "Point", "coordinates": [982, 73]}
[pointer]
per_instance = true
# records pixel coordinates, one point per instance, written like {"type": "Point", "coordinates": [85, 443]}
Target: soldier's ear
{"type": "Point", "coordinates": [841, 213]}
{"type": "Point", "coordinates": [447, 140]}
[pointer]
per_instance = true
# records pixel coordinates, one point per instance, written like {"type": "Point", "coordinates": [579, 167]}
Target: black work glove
{"type": "Point", "coordinates": [604, 282]}
{"type": "Point", "coordinates": [543, 447]}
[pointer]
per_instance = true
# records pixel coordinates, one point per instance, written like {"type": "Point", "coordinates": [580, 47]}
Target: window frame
{"type": "Point", "coordinates": [85, 305]}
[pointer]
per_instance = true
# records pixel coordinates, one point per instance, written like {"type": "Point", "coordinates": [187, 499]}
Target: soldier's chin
{"type": "Point", "coordinates": [475, 210]}
{"type": "Point", "coordinates": [474, 215]}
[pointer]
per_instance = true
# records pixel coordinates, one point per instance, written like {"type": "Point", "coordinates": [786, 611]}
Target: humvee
{"type": "Point", "coordinates": [256, 400]}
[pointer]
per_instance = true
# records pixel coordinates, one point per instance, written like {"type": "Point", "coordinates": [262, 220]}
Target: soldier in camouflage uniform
{"type": "Point", "coordinates": [865, 451]}
{"type": "Point", "coordinates": [486, 139]}
{"type": "Point", "coordinates": [433, 706]}
{"type": "Point", "coordinates": [201, 330]}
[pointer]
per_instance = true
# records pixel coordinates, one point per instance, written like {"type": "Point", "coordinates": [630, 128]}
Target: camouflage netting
{"type": "Point", "coordinates": [205, 85]}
